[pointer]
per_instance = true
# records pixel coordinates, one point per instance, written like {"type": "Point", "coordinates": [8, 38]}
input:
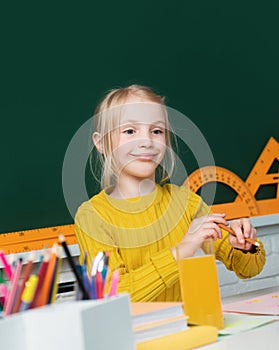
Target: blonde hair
{"type": "Point", "coordinates": [106, 119]}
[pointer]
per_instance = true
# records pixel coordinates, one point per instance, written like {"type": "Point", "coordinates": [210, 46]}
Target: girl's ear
{"type": "Point", "coordinates": [96, 137]}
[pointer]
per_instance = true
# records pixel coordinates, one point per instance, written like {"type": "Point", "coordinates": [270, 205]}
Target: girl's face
{"type": "Point", "coordinates": [139, 143]}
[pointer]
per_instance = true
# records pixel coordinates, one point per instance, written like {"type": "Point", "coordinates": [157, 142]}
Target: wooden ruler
{"type": "Point", "coordinates": [245, 203]}
{"type": "Point", "coordinates": [36, 239]}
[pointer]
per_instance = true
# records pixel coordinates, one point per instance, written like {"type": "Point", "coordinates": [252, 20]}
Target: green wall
{"type": "Point", "coordinates": [216, 61]}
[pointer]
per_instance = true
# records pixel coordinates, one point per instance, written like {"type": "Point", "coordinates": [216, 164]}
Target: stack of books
{"type": "Point", "coordinates": [163, 326]}
{"type": "Point", "coordinates": [154, 320]}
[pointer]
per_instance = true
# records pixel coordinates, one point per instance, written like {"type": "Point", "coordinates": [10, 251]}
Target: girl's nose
{"type": "Point", "coordinates": [145, 140]}
{"type": "Point", "coordinates": [145, 143]}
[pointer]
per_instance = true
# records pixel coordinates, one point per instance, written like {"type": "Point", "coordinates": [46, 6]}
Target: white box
{"type": "Point", "coordinates": [80, 325]}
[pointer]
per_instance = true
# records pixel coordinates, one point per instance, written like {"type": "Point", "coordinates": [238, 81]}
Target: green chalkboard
{"type": "Point", "coordinates": [215, 61]}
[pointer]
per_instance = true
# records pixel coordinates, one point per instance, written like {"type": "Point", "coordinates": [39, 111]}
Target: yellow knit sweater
{"type": "Point", "coordinates": [139, 233]}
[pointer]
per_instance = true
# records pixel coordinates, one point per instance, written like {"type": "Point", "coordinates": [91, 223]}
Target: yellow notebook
{"type": "Point", "coordinates": [192, 337]}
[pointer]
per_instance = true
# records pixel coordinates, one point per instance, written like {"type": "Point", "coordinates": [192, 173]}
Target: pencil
{"type": "Point", "coordinates": [44, 292]}
{"type": "Point", "coordinates": [85, 278]}
{"type": "Point", "coordinates": [41, 277]}
{"type": "Point", "coordinates": [54, 289]}
{"type": "Point", "coordinates": [95, 265]}
{"type": "Point", "coordinates": [105, 270]}
{"type": "Point", "coordinates": [9, 302]}
{"type": "Point", "coordinates": [114, 283]}
{"type": "Point", "coordinates": [231, 231]}
{"type": "Point", "coordinates": [28, 292]}
{"type": "Point", "coordinates": [73, 266]}
{"type": "Point", "coordinates": [26, 274]}
{"type": "Point", "coordinates": [99, 285]}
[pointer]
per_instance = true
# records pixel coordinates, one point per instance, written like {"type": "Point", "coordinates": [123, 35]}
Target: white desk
{"type": "Point", "coordinates": [265, 337]}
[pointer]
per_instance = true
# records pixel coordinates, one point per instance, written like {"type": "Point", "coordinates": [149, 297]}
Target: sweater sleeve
{"type": "Point", "coordinates": [244, 264]}
{"type": "Point", "coordinates": [144, 283]}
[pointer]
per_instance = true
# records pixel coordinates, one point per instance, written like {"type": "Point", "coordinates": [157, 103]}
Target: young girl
{"type": "Point", "coordinates": [140, 220]}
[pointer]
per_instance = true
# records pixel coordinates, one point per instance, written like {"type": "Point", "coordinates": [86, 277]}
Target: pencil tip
{"type": "Point", "coordinates": [61, 238]}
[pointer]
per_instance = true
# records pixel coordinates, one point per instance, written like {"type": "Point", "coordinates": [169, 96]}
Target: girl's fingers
{"type": "Point", "coordinates": [236, 225]}
{"type": "Point", "coordinates": [218, 219]}
{"type": "Point", "coordinates": [246, 227]}
{"type": "Point", "coordinates": [243, 229]}
{"type": "Point", "coordinates": [209, 233]}
{"type": "Point", "coordinates": [254, 233]}
{"type": "Point", "coordinates": [234, 241]}
{"type": "Point", "coordinates": [210, 219]}
{"type": "Point", "coordinates": [215, 230]}
{"type": "Point", "coordinates": [239, 235]}
{"type": "Point", "coordinates": [207, 226]}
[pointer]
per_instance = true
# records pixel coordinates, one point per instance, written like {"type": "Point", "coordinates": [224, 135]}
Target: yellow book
{"type": "Point", "coordinates": [192, 337]}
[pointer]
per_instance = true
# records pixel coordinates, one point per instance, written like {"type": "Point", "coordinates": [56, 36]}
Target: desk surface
{"type": "Point", "coordinates": [248, 295]}
{"type": "Point", "coordinates": [265, 337]}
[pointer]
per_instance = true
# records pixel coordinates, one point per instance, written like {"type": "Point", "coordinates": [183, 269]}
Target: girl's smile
{"type": "Point", "coordinates": [145, 156]}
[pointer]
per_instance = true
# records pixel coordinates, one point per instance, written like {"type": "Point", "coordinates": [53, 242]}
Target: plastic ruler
{"type": "Point", "coordinates": [245, 203]}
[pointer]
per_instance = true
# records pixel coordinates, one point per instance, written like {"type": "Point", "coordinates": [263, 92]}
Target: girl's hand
{"type": "Point", "coordinates": [199, 230]}
{"type": "Point", "coordinates": [243, 229]}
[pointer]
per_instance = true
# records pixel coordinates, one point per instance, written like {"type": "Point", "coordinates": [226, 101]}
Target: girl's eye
{"type": "Point", "coordinates": [157, 131]}
{"type": "Point", "coordinates": [129, 131]}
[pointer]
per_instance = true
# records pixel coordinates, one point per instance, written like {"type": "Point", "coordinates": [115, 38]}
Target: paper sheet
{"type": "Point", "coordinates": [267, 304]}
{"type": "Point", "coordinates": [237, 323]}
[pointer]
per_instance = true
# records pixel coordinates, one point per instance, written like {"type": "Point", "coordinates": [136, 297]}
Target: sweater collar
{"type": "Point", "coordinates": [136, 204]}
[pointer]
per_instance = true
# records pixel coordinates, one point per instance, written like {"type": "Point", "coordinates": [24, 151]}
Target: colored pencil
{"type": "Point", "coordinates": [28, 293]}
{"type": "Point", "coordinates": [73, 266]}
{"type": "Point", "coordinates": [105, 270]}
{"type": "Point", "coordinates": [41, 276]}
{"type": "Point", "coordinates": [95, 265]}
{"type": "Point", "coordinates": [26, 273]}
{"type": "Point", "coordinates": [54, 289]}
{"type": "Point", "coordinates": [85, 278]}
{"type": "Point", "coordinates": [114, 283]}
{"type": "Point", "coordinates": [99, 285]}
{"type": "Point", "coordinates": [45, 288]}
{"type": "Point", "coordinates": [231, 231]}
{"type": "Point", "coordinates": [9, 303]}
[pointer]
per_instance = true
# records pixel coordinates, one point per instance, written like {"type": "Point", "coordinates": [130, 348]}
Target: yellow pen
{"type": "Point", "coordinates": [28, 292]}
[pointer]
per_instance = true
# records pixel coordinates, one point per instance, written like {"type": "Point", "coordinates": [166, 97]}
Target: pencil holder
{"type": "Point", "coordinates": [88, 324]}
